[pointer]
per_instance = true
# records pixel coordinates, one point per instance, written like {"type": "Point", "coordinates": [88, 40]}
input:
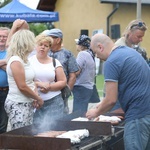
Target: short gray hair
{"type": "Point", "coordinates": [5, 28]}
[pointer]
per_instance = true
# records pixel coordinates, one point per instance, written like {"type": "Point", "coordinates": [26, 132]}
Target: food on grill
{"type": "Point", "coordinates": [75, 135]}
{"type": "Point", "coordinates": [50, 133]}
{"type": "Point", "coordinates": [80, 119]}
{"type": "Point", "coordinates": [112, 119]}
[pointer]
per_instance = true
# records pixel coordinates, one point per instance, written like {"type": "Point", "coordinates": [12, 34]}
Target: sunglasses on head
{"type": "Point", "coordinates": [54, 37]}
{"type": "Point", "coordinates": [138, 25]}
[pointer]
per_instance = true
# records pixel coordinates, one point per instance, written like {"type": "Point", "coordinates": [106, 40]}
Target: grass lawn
{"type": "Point", "coordinates": [100, 84]}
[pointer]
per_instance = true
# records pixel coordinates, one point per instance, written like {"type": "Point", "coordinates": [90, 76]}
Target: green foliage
{"type": "Point", "coordinates": [37, 28]}
{"type": "Point", "coordinates": [5, 2]}
{"type": "Point", "coordinates": [100, 84]}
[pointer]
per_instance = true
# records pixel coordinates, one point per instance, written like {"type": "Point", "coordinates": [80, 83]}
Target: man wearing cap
{"type": "Point", "coordinates": [4, 31]}
{"type": "Point", "coordinates": [65, 57]}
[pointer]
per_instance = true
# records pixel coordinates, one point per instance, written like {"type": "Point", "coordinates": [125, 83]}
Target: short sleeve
{"type": "Point", "coordinates": [72, 64]}
{"type": "Point", "coordinates": [81, 59]}
{"type": "Point", "coordinates": [58, 64]}
{"type": "Point", "coordinates": [111, 72]}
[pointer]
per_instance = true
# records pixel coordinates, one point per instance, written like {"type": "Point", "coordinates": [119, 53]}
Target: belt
{"type": "Point", "coordinates": [4, 88]}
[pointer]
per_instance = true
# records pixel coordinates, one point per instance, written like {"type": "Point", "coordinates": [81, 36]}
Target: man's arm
{"type": "Point", "coordinates": [108, 101]}
{"type": "Point", "coordinates": [71, 80]}
{"type": "Point", "coordinates": [3, 64]}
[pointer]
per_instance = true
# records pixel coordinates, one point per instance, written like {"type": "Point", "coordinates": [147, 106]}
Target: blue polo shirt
{"type": "Point", "coordinates": [3, 74]}
{"type": "Point", "coordinates": [130, 70]}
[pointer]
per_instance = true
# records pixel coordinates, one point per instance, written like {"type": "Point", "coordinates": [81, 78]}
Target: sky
{"type": "Point", "coordinates": [30, 3]}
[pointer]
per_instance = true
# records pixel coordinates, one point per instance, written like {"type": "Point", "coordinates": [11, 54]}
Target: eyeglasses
{"type": "Point", "coordinates": [4, 37]}
{"type": "Point", "coordinates": [140, 25]}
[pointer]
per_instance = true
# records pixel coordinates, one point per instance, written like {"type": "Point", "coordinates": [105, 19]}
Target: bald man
{"type": "Point", "coordinates": [132, 37]}
{"type": "Point", "coordinates": [127, 78]}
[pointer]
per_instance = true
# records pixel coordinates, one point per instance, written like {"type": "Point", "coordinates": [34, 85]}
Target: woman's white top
{"type": "Point", "coordinates": [45, 73]}
{"type": "Point", "coordinates": [14, 93]}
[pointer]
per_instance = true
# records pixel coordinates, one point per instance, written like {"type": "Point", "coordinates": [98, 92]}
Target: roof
{"type": "Point", "coordinates": [47, 5]}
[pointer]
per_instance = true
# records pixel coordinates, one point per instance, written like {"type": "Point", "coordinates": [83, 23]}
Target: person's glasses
{"type": "Point", "coordinates": [4, 37]}
{"type": "Point", "coordinates": [139, 25]}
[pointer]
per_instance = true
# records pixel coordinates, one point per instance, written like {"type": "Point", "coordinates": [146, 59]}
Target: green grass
{"type": "Point", "coordinates": [100, 84]}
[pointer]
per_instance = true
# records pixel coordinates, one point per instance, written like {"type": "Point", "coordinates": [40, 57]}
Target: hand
{"type": "Point", "coordinates": [40, 103]}
{"type": "Point", "coordinates": [44, 90]}
{"type": "Point", "coordinates": [92, 113]}
{"type": "Point", "coordinates": [35, 104]}
{"type": "Point", "coordinates": [20, 24]}
{"type": "Point", "coordinates": [44, 86]}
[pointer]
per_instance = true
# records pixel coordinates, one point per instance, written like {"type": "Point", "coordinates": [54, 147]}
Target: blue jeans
{"type": "Point", "coordinates": [137, 134]}
{"type": "Point", "coordinates": [81, 97]}
{"type": "Point", "coordinates": [3, 115]}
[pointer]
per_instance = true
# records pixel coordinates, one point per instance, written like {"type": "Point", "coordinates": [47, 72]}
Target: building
{"type": "Point", "coordinates": [91, 16]}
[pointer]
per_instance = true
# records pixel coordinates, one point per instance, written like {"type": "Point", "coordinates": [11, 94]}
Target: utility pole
{"type": "Point", "coordinates": [138, 9]}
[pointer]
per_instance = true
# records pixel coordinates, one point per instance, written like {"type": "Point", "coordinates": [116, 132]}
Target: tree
{"type": "Point", "coordinates": [5, 2]}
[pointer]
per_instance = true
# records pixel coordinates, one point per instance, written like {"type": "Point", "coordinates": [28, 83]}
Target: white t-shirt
{"type": "Point", "coordinates": [44, 73]}
{"type": "Point", "coordinates": [14, 93]}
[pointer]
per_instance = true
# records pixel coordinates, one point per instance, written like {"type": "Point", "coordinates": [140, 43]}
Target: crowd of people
{"type": "Point", "coordinates": [34, 70]}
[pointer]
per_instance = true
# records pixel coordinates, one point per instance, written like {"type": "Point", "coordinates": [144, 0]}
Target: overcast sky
{"type": "Point", "coordinates": [30, 3]}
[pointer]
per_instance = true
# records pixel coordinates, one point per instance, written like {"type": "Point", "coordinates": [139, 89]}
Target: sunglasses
{"type": "Point", "coordinates": [54, 37]}
{"type": "Point", "coordinates": [139, 25]}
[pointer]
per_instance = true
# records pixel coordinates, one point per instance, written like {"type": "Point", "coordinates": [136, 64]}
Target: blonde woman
{"type": "Point", "coordinates": [21, 95]}
{"type": "Point", "coordinates": [133, 34]}
{"type": "Point", "coordinates": [50, 79]}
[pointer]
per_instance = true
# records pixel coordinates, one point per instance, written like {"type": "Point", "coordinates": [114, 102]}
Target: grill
{"type": "Point", "coordinates": [101, 137]}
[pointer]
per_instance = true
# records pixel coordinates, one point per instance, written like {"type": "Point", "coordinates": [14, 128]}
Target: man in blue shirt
{"type": "Point", "coordinates": [127, 77]}
{"type": "Point", "coordinates": [3, 79]}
